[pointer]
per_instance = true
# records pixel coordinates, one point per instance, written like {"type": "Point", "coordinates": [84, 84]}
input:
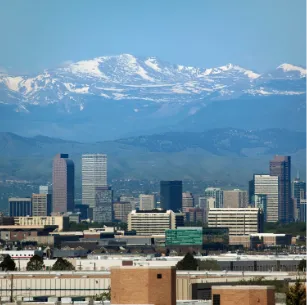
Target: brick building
{"type": "Point", "coordinates": [143, 285]}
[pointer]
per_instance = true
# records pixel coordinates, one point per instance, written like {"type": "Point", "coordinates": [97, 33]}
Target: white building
{"type": "Point", "coordinates": [266, 195]}
{"type": "Point", "coordinates": [152, 222]}
{"type": "Point", "coordinates": [94, 174]}
{"type": "Point", "coordinates": [147, 202]}
{"type": "Point", "coordinates": [45, 189]}
{"type": "Point", "coordinates": [239, 221]}
{"type": "Point", "coordinates": [217, 193]}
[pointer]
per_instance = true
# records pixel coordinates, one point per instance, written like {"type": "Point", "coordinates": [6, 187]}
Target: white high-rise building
{"type": "Point", "coordinates": [94, 174]}
{"type": "Point", "coordinates": [267, 185]}
{"type": "Point", "coordinates": [147, 202]}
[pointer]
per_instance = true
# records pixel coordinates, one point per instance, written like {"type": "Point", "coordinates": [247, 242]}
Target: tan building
{"type": "Point", "coordinates": [187, 201]}
{"type": "Point", "coordinates": [143, 285]}
{"type": "Point", "coordinates": [237, 295]}
{"type": "Point", "coordinates": [147, 202]}
{"type": "Point", "coordinates": [239, 221]}
{"type": "Point", "coordinates": [153, 222]}
{"type": "Point", "coordinates": [61, 221]}
{"type": "Point", "coordinates": [121, 211]}
{"type": "Point", "coordinates": [235, 199]}
{"type": "Point", "coordinates": [41, 204]}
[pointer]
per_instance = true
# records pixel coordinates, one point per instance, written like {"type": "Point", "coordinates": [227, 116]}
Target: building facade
{"type": "Point", "coordinates": [61, 221]}
{"type": "Point", "coordinates": [303, 210]}
{"type": "Point", "coordinates": [121, 211]}
{"type": "Point", "coordinates": [217, 194]}
{"type": "Point", "coordinates": [240, 221]}
{"type": "Point", "coordinates": [298, 194]}
{"type": "Point", "coordinates": [267, 185]}
{"type": "Point", "coordinates": [63, 184]}
{"type": "Point", "coordinates": [235, 199]}
{"type": "Point", "coordinates": [147, 202]}
{"type": "Point", "coordinates": [94, 174]}
{"type": "Point", "coordinates": [281, 166]}
{"type": "Point", "coordinates": [20, 207]}
{"type": "Point", "coordinates": [103, 210]}
{"type": "Point", "coordinates": [153, 222]}
{"type": "Point", "coordinates": [45, 189]}
{"type": "Point", "coordinates": [143, 285]}
{"type": "Point", "coordinates": [171, 195]}
{"type": "Point", "coordinates": [184, 236]}
{"type": "Point", "coordinates": [187, 201]}
{"type": "Point", "coordinates": [41, 204]}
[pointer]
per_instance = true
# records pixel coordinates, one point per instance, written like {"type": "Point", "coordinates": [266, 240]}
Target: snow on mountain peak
{"type": "Point", "coordinates": [291, 68]}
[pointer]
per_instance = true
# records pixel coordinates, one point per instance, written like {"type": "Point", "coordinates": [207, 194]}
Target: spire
{"type": "Point", "coordinates": [298, 175]}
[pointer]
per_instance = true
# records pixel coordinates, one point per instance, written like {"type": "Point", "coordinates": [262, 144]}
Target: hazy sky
{"type": "Point", "coordinates": [256, 34]}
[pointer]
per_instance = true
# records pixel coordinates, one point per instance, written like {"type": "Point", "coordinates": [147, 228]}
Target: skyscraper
{"type": "Point", "coordinates": [94, 174]}
{"type": "Point", "coordinates": [215, 193]}
{"type": "Point", "coordinates": [266, 185]}
{"type": "Point", "coordinates": [171, 195]}
{"type": "Point", "coordinates": [103, 210]}
{"type": "Point", "coordinates": [299, 193]}
{"type": "Point", "coordinates": [281, 166]}
{"type": "Point", "coordinates": [63, 184]}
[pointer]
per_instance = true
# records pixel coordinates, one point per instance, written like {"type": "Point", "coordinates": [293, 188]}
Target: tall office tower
{"type": "Point", "coordinates": [303, 210]}
{"type": "Point", "coordinates": [187, 201]}
{"type": "Point", "coordinates": [266, 185]}
{"type": "Point", "coordinates": [41, 204]}
{"type": "Point", "coordinates": [45, 189]}
{"type": "Point", "coordinates": [281, 166]}
{"type": "Point", "coordinates": [235, 199]}
{"type": "Point", "coordinates": [251, 192]}
{"type": "Point", "coordinates": [94, 174]}
{"type": "Point", "coordinates": [260, 202]}
{"type": "Point", "coordinates": [171, 195]}
{"type": "Point", "coordinates": [103, 210]}
{"type": "Point", "coordinates": [63, 184]}
{"type": "Point", "coordinates": [216, 193]}
{"type": "Point", "coordinates": [147, 202]}
{"type": "Point", "coordinates": [298, 194]}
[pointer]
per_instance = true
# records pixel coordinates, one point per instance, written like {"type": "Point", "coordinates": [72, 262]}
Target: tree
{"type": "Point", "coordinates": [302, 265]}
{"type": "Point", "coordinates": [105, 296]}
{"type": "Point", "coordinates": [8, 264]}
{"type": "Point", "coordinates": [209, 264]}
{"type": "Point", "coordinates": [296, 294]}
{"type": "Point", "coordinates": [62, 264]}
{"type": "Point", "coordinates": [36, 263]}
{"type": "Point", "coordinates": [187, 263]}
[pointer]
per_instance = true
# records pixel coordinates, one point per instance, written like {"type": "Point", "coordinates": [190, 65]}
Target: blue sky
{"type": "Point", "coordinates": [254, 34]}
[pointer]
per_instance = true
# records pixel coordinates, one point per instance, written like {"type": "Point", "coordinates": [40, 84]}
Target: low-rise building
{"type": "Point", "coordinates": [153, 222]}
{"type": "Point", "coordinates": [252, 295]}
{"type": "Point", "coordinates": [62, 222]}
{"type": "Point", "coordinates": [240, 221]}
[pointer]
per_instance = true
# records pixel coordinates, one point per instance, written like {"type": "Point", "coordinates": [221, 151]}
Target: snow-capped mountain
{"type": "Point", "coordinates": [126, 77]}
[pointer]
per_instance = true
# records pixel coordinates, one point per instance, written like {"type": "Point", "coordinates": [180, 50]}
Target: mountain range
{"type": "Point", "coordinates": [111, 97]}
{"type": "Point", "coordinates": [229, 156]}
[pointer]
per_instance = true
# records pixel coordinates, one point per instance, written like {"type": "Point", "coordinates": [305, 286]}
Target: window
{"type": "Point", "coordinates": [216, 299]}
{"type": "Point", "coordinates": [159, 276]}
